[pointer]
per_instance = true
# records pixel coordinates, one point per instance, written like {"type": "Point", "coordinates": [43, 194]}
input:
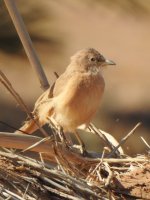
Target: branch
{"type": "Point", "coordinates": [124, 139]}
{"type": "Point", "coordinates": [4, 80]}
{"type": "Point", "coordinates": [26, 42]}
{"type": "Point", "coordinates": [22, 141]}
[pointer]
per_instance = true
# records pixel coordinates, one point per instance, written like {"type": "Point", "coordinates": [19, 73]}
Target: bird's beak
{"type": "Point", "coordinates": [109, 62]}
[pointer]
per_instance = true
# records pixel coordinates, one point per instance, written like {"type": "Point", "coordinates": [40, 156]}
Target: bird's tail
{"type": "Point", "coordinates": [30, 126]}
{"type": "Point", "coordinates": [45, 110]}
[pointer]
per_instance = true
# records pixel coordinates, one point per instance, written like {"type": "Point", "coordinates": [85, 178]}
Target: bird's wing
{"type": "Point", "coordinates": [53, 91]}
{"type": "Point", "coordinates": [61, 82]}
{"type": "Point", "coordinates": [68, 87]}
{"type": "Point", "coordinates": [41, 99]}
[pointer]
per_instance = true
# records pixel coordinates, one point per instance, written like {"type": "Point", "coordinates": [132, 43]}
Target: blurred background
{"type": "Point", "coordinates": [119, 29]}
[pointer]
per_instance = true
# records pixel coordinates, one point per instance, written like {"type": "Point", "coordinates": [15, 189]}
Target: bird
{"type": "Point", "coordinates": [76, 94]}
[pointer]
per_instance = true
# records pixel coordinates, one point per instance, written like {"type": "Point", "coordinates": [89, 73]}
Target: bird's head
{"type": "Point", "coordinates": [88, 59]}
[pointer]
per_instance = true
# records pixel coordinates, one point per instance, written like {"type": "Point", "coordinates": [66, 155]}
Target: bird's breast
{"type": "Point", "coordinates": [80, 102]}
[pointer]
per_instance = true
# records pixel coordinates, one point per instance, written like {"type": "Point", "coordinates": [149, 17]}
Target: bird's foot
{"type": "Point", "coordinates": [84, 151]}
{"type": "Point", "coordinates": [81, 149]}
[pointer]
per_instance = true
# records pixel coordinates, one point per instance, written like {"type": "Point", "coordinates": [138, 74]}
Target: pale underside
{"type": "Point", "coordinates": [76, 98]}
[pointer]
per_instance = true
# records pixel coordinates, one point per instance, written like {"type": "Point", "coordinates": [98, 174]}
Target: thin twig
{"type": "Point", "coordinates": [36, 144]}
{"type": "Point", "coordinates": [145, 142]}
{"type": "Point", "coordinates": [56, 74]}
{"type": "Point", "coordinates": [55, 184]}
{"type": "Point", "coordinates": [62, 194]}
{"type": "Point", "coordinates": [12, 194]}
{"type": "Point", "coordinates": [105, 139]}
{"type": "Point", "coordinates": [110, 174]}
{"type": "Point", "coordinates": [60, 165]}
{"type": "Point", "coordinates": [124, 139]}
{"type": "Point", "coordinates": [24, 195]}
{"type": "Point", "coordinates": [97, 166]}
{"type": "Point", "coordinates": [42, 160]}
{"type": "Point", "coordinates": [4, 80]}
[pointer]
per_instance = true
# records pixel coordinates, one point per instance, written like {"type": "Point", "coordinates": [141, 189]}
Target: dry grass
{"type": "Point", "coordinates": [62, 172]}
{"type": "Point", "coordinates": [58, 171]}
{"type": "Point", "coordinates": [26, 178]}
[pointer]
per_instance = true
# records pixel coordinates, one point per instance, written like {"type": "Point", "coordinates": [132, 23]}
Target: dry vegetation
{"type": "Point", "coordinates": [46, 167]}
{"type": "Point", "coordinates": [24, 178]}
{"type": "Point", "coordinates": [62, 172]}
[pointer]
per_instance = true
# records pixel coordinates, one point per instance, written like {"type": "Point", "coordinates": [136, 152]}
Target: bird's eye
{"type": "Point", "coordinates": [92, 59]}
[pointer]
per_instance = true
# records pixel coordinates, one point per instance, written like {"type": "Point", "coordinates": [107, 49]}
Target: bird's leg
{"type": "Point", "coordinates": [83, 149]}
{"type": "Point", "coordinates": [62, 135]}
{"type": "Point", "coordinates": [59, 133]}
{"type": "Point", "coordinates": [64, 139]}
